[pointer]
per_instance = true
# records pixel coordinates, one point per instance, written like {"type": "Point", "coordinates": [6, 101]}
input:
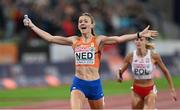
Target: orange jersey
{"type": "Point", "coordinates": [86, 54]}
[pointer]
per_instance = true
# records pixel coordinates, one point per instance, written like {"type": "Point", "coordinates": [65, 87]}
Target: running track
{"type": "Point", "coordinates": [164, 101]}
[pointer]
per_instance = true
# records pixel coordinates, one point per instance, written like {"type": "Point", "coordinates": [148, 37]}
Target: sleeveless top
{"type": "Point", "coordinates": [142, 67]}
{"type": "Point", "coordinates": [87, 54]}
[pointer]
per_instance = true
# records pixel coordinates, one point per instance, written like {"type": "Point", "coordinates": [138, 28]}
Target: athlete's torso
{"type": "Point", "coordinates": [142, 68]}
{"type": "Point", "coordinates": [87, 58]}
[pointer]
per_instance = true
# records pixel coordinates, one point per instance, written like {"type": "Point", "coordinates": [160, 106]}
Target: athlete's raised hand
{"type": "Point", "coordinates": [27, 22]}
{"type": "Point", "coordinates": [148, 33]}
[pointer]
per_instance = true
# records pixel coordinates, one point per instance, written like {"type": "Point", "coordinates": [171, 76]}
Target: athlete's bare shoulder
{"type": "Point", "coordinates": [129, 57]}
{"type": "Point", "coordinates": [99, 38]}
{"type": "Point", "coordinates": [155, 55]}
{"type": "Point", "coordinates": [73, 38]}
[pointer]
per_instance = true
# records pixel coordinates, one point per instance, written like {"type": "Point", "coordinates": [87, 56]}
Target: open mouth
{"type": "Point", "coordinates": [83, 27]}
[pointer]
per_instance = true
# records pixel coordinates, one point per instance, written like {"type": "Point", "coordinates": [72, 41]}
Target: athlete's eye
{"type": "Point", "coordinates": [86, 21]}
{"type": "Point", "coordinates": [80, 21]}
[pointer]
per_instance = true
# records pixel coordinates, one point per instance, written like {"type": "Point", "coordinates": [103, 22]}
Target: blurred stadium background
{"type": "Point", "coordinates": [28, 61]}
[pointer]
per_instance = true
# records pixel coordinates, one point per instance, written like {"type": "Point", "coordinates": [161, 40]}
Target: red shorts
{"type": "Point", "coordinates": [143, 91]}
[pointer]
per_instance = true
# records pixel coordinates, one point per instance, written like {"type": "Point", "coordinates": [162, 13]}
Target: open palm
{"type": "Point", "coordinates": [148, 33]}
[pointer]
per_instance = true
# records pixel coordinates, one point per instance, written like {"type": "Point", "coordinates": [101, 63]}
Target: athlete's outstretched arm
{"type": "Point", "coordinates": [123, 67]}
{"type": "Point", "coordinates": [127, 37]}
{"type": "Point", "coordinates": [162, 66]}
{"type": "Point", "coordinates": [46, 36]}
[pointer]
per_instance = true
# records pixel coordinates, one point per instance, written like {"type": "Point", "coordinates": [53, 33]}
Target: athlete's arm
{"type": "Point", "coordinates": [162, 66]}
{"type": "Point", "coordinates": [123, 67]}
{"type": "Point", "coordinates": [128, 37]}
{"type": "Point", "coordinates": [48, 37]}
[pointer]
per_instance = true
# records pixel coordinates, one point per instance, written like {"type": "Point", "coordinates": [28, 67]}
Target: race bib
{"type": "Point", "coordinates": [85, 55]}
{"type": "Point", "coordinates": [141, 71]}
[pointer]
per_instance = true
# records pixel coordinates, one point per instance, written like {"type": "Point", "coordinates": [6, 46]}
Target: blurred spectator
{"type": "Point", "coordinates": [60, 17]}
{"type": "Point", "coordinates": [2, 20]}
{"type": "Point", "coordinates": [68, 26]}
{"type": "Point", "coordinates": [18, 75]}
{"type": "Point", "coordinates": [177, 11]}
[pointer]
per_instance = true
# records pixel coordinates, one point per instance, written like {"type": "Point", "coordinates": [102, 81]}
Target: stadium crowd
{"type": "Point", "coordinates": [59, 16]}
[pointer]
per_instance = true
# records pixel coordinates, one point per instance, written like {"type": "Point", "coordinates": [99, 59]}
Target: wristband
{"type": "Point", "coordinates": [138, 36]}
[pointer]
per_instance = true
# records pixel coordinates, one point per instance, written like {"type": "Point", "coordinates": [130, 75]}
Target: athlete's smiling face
{"type": "Point", "coordinates": [85, 24]}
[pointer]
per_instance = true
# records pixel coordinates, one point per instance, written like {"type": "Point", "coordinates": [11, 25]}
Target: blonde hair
{"type": "Point", "coordinates": [92, 21]}
{"type": "Point", "coordinates": [150, 46]}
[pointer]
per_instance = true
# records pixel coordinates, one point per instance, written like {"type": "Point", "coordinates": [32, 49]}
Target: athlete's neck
{"type": "Point", "coordinates": [142, 52]}
{"type": "Point", "coordinates": [86, 36]}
